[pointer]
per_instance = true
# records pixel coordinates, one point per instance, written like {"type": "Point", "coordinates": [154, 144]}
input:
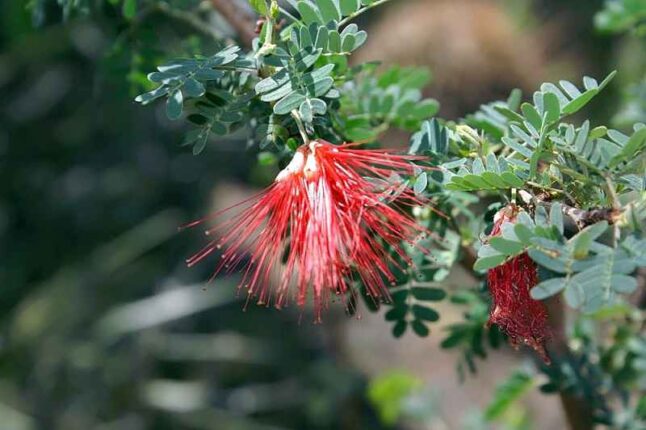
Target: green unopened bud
{"type": "Point", "coordinates": [274, 11]}
{"type": "Point", "coordinates": [266, 49]}
{"type": "Point", "coordinates": [469, 134]}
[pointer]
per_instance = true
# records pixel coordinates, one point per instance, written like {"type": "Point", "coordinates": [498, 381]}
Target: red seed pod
{"type": "Point", "coordinates": [522, 318]}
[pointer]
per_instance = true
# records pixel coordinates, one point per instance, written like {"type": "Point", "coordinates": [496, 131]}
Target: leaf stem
{"type": "Point", "coordinates": [301, 127]}
{"type": "Point", "coordinates": [554, 190]}
{"type": "Point", "coordinates": [616, 205]}
{"type": "Point", "coordinates": [288, 15]}
{"type": "Point", "coordinates": [353, 15]}
{"type": "Point", "coordinates": [268, 45]}
{"type": "Point", "coordinates": [612, 193]}
{"type": "Point", "coordinates": [238, 69]}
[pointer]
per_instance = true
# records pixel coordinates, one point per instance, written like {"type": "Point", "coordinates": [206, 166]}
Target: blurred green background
{"type": "Point", "coordinates": [101, 324]}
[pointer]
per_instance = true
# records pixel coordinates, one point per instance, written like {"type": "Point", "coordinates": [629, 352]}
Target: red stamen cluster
{"type": "Point", "coordinates": [327, 219]}
{"type": "Point", "coordinates": [522, 318]}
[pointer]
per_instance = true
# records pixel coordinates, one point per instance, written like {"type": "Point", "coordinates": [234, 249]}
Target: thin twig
{"type": "Point", "coordinates": [288, 15]}
{"type": "Point", "coordinates": [268, 45]}
{"type": "Point", "coordinates": [616, 205]}
{"type": "Point", "coordinates": [352, 16]}
{"type": "Point", "coordinates": [612, 193]}
{"type": "Point", "coordinates": [581, 217]}
{"type": "Point", "coordinates": [554, 190]}
{"type": "Point", "coordinates": [301, 127]}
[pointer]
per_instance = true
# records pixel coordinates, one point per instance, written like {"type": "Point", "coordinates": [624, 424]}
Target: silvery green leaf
{"type": "Point", "coordinates": [421, 183]}
{"type": "Point", "coordinates": [305, 111]}
{"type": "Point", "coordinates": [556, 216]}
{"type": "Point", "coordinates": [146, 98]}
{"type": "Point", "coordinates": [558, 264]}
{"type": "Point", "coordinates": [208, 74]}
{"type": "Point", "coordinates": [319, 107]}
{"type": "Point", "coordinates": [288, 103]}
{"type": "Point", "coordinates": [508, 232]}
{"type": "Point", "coordinates": [477, 167]}
{"type": "Point", "coordinates": [174, 105]}
{"type": "Point", "coordinates": [540, 217]}
{"type": "Point", "coordinates": [193, 88]}
{"type": "Point", "coordinates": [523, 233]}
{"type": "Point", "coordinates": [505, 246]}
{"type": "Point", "coordinates": [582, 241]}
{"type": "Point", "coordinates": [271, 83]}
{"type": "Point", "coordinates": [525, 219]}
{"type": "Point", "coordinates": [278, 93]}
{"type": "Point", "coordinates": [547, 288]}
{"type": "Point", "coordinates": [623, 284]}
{"type": "Point", "coordinates": [574, 293]}
{"type": "Point", "coordinates": [162, 77]}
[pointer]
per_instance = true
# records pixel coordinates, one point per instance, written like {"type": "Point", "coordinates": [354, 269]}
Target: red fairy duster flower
{"type": "Point", "coordinates": [522, 318]}
{"type": "Point", "coordinates": [324, 222]}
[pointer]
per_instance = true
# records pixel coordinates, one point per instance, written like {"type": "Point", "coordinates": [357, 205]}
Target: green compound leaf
{"type": "Point", "coordinates": [570, 98]}
{"type": "Point", "coordinates": [494, 174]}
{"type": "Point", "coordinates": [591, 275]}
{"type": "Point", "coordinates": [298, 84]}
{"type": "Point", "coordinates": [187, 77]}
